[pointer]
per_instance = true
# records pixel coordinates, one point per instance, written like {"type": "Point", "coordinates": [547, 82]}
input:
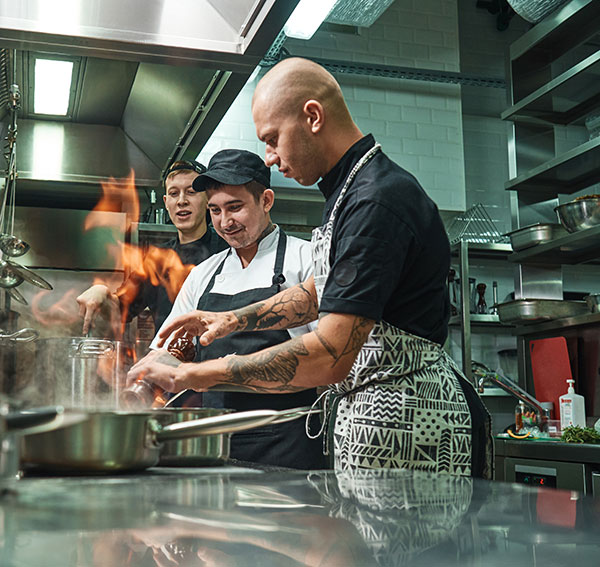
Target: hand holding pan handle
{"type": "Point", "coordinates": [228, 423]}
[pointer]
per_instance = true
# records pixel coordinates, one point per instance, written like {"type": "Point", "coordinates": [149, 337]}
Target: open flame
{"type": "Point", "coordinates": [155, 265]}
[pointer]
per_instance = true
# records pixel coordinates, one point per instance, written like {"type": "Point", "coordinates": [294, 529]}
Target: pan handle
{"type": "Point", "coordinates": [228, 423]}
{"type": "Point", "coordinates": [41, 420]}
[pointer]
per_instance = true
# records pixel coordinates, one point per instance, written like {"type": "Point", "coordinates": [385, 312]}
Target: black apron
{"type": "Point", "coordinates": [286, 444]}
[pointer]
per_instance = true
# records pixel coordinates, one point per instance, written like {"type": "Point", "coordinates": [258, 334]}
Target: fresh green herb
{"type": "Point", "coordinates": [575, 434]}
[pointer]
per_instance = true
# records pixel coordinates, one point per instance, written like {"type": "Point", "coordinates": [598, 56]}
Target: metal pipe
{"type": "Point", "coordinates": [509, 386]}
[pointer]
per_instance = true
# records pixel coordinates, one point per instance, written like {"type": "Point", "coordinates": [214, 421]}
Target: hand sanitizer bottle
{"type": "Point", "coordinates": [572, 408]}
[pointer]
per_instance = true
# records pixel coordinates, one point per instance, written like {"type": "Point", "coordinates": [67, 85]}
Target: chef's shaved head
{"type": "Point", "coordinates": [293, 82]}
{"type": "Point", "coordinates": [301, 116]}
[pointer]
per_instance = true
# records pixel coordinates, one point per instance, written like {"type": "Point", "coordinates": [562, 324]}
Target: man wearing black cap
{"type": "Point", "coordinates": [193, 244]}
{"type": "Point", "coordinates": [262, 261]}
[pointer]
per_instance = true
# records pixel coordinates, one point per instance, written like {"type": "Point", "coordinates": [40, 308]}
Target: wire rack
{"type": "Point", "coordinates": [474, 225]}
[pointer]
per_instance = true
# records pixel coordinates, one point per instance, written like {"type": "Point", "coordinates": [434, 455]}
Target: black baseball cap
{"type": "Point", "coordinates": [190, 165]}
{"type": "Point", "coordinates": [234, 167]}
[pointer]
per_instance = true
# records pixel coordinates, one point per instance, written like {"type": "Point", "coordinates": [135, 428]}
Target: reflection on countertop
{"type": "Point", "coordinates": [233, 517]}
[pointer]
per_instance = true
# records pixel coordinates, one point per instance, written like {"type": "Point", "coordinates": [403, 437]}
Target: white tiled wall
{"type": "Point", "coordinates": [418, 123]}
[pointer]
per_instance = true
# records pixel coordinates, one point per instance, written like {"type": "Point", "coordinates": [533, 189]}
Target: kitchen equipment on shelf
{"type": "Point", "coordinates": [524, 311]}
{"type": "Point", "coordinates": [481, 307]}
{"type": "Point", "coordinates": [109, 441]}
{"type": "Point", "coordinates": [472, 295]}
{"type": "Point", "coordinates": [582, 213]}
{"type": "Point", "coordinates": [550, 367]}
{"type": "Point", "coordinates": [474, 225]}
{"type": "Point", "coordinates": [453, 292]}
{"type": "Point", "coordinates": [534, 234]}
{"type": "Point", "coordinates": [593, 302]}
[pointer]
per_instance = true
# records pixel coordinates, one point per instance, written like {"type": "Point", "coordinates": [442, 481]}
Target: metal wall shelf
{"type": "Point", "coordinates": [563, 100]}
{"type": "Point", "coordinates": [487, 320]}
{"type": "Point", "coordinates": [574, 170]}
{"type": "Point", "coordinates": [557, 324]}
{"type": "Point", "coordinates": [555, 35]}
{"type": "Point", "coordinates": [575, 248]}
{"type": "Point", "coordinates": [484, 249]}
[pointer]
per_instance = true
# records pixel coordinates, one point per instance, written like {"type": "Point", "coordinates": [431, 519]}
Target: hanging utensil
{"type": "Point", "coordinates": [13, 246]}
{"type": "Point", "coordinates": [28, 275]}
{"type": "Point", "coordinates": [16, 295]}
{"type": "Point", "coordinates": [8, 277]}
{"type": "Point", "coordinates": [25, 335]}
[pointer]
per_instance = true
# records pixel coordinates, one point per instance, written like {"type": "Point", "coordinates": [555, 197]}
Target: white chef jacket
{"type": "Point", "coordinates": [233, 279]}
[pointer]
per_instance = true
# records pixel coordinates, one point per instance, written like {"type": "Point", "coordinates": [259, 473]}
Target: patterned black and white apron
{"type": "Point", "coordinates": [402, 405]}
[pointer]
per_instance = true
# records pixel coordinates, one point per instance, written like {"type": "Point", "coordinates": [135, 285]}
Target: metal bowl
{"type": "Point", "coordinates": [579, 214]}
{"type": "Point", "coordinates": [593, 302]}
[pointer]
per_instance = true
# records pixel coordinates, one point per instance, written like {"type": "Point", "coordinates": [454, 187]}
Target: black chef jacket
{"type": "Point", "coordinates": [390, 254]}
{"type": "Point", "coordinates": [156, 297]}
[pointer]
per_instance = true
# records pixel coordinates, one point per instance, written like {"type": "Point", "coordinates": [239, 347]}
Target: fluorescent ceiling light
{"type": "Point", "coordinates": [52, 86]}
{"type": "Point", "coordinates": [307, 17]}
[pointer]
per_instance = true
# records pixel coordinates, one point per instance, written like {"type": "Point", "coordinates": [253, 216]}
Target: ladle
{"type": "Point", "coordinates": [16, 295]}
{"type": "Point", "coordinates": [13, 246]}
{"type": "Point", "coordinates": [8, 277]}
{"type": "Point", "coordinates": [27, 274]}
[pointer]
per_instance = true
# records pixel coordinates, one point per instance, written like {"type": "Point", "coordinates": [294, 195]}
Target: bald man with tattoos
{"type": "Point", "coordinates": [393, 397]}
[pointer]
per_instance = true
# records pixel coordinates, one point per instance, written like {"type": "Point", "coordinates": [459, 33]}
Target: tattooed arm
{"type": "Point", "coordinates": [292, 307]}
{"type": "Point", "coordinates": [324, 356]}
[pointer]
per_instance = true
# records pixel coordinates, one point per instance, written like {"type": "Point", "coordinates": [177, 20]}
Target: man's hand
{"type": "Point", "coordinates": [206, 325]}
{"type": "Point", "coordinates": [155, 363]}
{"type": "Point", "coordinates": [91, 302]}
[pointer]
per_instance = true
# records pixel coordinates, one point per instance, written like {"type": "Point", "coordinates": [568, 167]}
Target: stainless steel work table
{"type": "Point", "coordinates": [234, 516]}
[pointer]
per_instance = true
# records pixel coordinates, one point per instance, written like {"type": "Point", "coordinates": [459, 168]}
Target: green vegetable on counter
{"type": "Point", "coordinates": [575, 434]}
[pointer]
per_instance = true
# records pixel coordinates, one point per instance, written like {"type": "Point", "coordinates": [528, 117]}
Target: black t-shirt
{"type": "Point", "coordinates": [155, 297]}
{"type": "Point", "coordinates": [390, 254]}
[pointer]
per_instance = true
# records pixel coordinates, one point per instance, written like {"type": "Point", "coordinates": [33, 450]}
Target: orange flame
{"type": "Point", "coordinates": [117, 196]}
{"type": "Point", "coordinates": [158, 266]}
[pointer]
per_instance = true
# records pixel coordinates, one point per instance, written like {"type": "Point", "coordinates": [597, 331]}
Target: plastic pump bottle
{"type": "Point", "coordinates": [572, 408]}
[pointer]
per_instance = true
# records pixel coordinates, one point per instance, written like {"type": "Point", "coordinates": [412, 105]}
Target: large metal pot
{"type": "Point", "coordinates": [81, 372]}
{"type": "Point", "coordinates": [109, 441]}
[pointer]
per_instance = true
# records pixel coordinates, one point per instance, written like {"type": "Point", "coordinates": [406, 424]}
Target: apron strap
{"type": "Point", "coordinates": [278, 277]}
{"type": "Point", "coordinates": [211, 283]}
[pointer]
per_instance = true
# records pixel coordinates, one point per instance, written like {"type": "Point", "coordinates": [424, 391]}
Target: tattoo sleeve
{"type": "Point", "coordinates": [291, 308]}
{"type": "Point", "coordinates": [356, 338]}
{"type": "Point", "coordinates": [268, 371]}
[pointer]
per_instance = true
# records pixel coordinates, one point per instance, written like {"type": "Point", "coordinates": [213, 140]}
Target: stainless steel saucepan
{"type": "Point", "coordinates": [112, 441]}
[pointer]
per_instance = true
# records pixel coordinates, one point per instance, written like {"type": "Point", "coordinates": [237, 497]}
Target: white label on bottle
{"type": "Point", "coordinates": [566, 413]}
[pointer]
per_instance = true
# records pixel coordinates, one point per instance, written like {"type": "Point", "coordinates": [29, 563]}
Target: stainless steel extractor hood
{"type": "Point", "coordinates": [152, 79]}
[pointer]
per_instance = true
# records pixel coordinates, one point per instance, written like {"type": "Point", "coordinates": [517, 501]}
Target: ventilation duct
{"type": "Point", "coordinates": [361, 13]}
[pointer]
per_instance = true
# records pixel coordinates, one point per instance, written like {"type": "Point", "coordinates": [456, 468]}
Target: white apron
{"type": "Point", "coordinates": [401, 406]}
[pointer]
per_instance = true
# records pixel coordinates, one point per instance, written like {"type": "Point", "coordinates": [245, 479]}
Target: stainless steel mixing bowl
{"type": "Point", "coordinates": [579, 214]}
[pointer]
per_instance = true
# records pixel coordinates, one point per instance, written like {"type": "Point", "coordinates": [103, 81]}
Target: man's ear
{"type": "Point", "coordinates": [315, 115]}
{"type": "Point", "coordinates": [268, 198]}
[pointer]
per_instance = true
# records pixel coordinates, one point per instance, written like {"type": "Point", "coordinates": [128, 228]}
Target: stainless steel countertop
{"type": "Point", "coordinates": [548, 450]}
{"type": "Point", "coordinates": [233, 516]}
